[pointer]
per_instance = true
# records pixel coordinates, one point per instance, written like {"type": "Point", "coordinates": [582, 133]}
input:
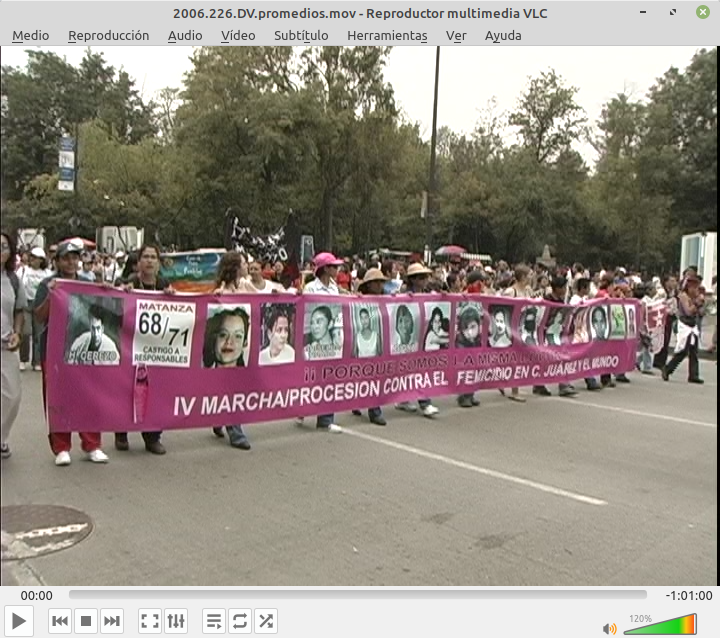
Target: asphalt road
{"type": "Point", "coordinates": [616, 487]}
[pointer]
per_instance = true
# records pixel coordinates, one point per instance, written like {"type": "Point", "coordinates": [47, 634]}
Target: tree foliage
{"type": "Point", "coordinates": [317, 130]}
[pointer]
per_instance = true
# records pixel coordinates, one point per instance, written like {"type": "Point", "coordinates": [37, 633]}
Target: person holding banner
{"type": "Point", "coordinates": [558, 294]}
{"type": "Point", "coordinates": [418, 277]}
{"type": "Point", "coordinates": [67, 261]}
{"type": "Point", "coordinates": [368, 343]}
{"type": "Point", "coordinates": [259, 283]}
{"type": "Point", "coordinates": [231, 278]}
{"type": "Point", "coordinates": [226, 338]}
{"type": "Point", "coordinates": [521, 288]}
{"type": "Point", "coordinates": [688, 336]}
{"type": "Point", "coordinates": [468, 335]}
{"type": "Point", "coordinates": [146, 278]}
{"type": "Point", "coordinates": [581, 296]}
{"type": "Point", "coordinates": [326, 269]}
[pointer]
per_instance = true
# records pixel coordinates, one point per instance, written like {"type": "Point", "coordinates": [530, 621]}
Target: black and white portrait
{"type": "Point", "coordinates": [631, 321]}
{"type": "Point", "coordinates": [323, 328]}
{"type": "Point", "coordinates": [599, 324]}
{"type": "Point", "coordinates": [367, 331]}
{"type": "Point", "coordinates": [555, 326]}
{"type": "Point", "coordinates": [277, 336]}
{"type": "Point", "coordinates": [500, 331]}
{"type": "Point", "coordinates": [405, 327]}
{"type": "Point", "coordinates": [468, 332]}
{"type": "Point", "coordinates": [437, 329]}
{"type": "Point", "coordinates": [93, 330]}
{"type": "Point", "coordinates": [530, 319]}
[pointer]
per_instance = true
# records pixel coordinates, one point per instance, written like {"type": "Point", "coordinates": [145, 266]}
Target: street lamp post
{"type": "Point", "coordinates": [432, 185]}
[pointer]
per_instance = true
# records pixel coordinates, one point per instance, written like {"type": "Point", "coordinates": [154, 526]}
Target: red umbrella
{"type": "Point", "coordinates": [450, 251]}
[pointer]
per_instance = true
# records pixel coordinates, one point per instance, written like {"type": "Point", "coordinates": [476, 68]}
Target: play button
{"type": "Point", "coordinates": [19, 621]}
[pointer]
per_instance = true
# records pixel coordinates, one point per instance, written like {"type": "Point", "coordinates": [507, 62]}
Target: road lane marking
{"type": "Point", "coordinates": [659, 417]}
{"type": "Point", "coordinates": [549, 489]}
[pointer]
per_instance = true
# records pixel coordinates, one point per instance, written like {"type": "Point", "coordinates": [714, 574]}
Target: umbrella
{"type": "Point", "coordinates": [450, 251]}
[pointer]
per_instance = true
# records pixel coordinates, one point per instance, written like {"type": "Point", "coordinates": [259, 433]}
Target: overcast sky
{"type": "Point", "coordinates": [469, 76]}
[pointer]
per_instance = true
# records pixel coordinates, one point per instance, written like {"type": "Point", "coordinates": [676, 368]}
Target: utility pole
{"type": "Point", "coordinates": [432, 184]}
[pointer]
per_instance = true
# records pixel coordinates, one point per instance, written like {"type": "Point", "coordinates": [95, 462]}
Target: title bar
{"type": "Point", "coordinates": [354, 23]}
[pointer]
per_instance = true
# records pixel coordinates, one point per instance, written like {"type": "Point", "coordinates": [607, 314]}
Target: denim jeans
{"type": "Point", "coordinates": [644, 359]}
{"type": "Point", "coordinates": [325, 420]}
{"type": "Point", "coordinates": [235, 433]}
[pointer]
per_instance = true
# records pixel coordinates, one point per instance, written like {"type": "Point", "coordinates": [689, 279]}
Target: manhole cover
{"type": "Point", "coordinates": [29, 531]}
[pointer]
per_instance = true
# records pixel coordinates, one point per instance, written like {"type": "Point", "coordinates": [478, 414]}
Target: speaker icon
{"type": "Point", "coordinates": [610, 629]}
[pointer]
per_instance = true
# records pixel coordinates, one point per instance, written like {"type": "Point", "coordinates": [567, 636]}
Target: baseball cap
{"type": "Point", "coordinates": [68, 247]}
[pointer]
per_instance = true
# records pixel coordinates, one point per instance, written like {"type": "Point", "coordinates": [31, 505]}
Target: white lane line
{"type": "Point", "coordinates": [659, 417]}
{"type": "Point", "coordinates": [556, 491]}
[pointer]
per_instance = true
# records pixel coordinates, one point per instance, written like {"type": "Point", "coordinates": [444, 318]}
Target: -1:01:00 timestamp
{"type": "Point", "coordinates": [689, 595]}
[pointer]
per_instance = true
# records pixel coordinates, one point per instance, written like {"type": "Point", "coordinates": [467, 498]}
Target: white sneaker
{"type": "Point", "coordinates": [430, 411]}
{"type": "Point", "coordinates": [406, 406]}
{"type": "Point", "coordinates": [300, 421]}
{"type": "Point", "coordinates": [97, 456]}
{"type": "Point", "coordinates": [332, 428]}
{"type": "Point", "coordinates": [37, 368]}
{"type": "Point", "coordinates": [23, 366]}
{"type": "Point", "coordinates": [63, 458]}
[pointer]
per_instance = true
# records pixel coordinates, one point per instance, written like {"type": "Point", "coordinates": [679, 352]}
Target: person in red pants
{"type": "Point", "coordinates": [67, 259]}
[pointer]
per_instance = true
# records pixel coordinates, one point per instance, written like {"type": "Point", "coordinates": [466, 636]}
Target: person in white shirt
{"type": "Point", "coordinates": [262, 285]}
{"type": "Point", "coordinates": [581, 294]}
{"type": "Point", "coordinates": [36, 271]}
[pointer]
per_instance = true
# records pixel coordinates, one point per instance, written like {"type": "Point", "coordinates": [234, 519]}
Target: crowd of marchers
{"type": "Point", "coordinates": [29, 276]}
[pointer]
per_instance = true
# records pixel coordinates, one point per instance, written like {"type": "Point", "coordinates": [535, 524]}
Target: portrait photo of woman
{"type": "Point", "coordinates": [617, 321]}
{"type": "Point", "coordinates": [554, 327]}
{"type": "Point", "coordinates": [323, 332]}
{"type": "Point", "coordinates": [277, 337]}
{"type": "Point", "coordinates": [227, 336]}
{"type": "Point", "coordinates": [530, 318]}
{"type": "Point", "coordinates": [437, 332]}
{"type": "Point", "coordinates": [599, 327]}
{"type": "Point", "coordinates": [632, 328]}
{"type": "Point", "coordinates": [405, 321]}
{"type": "Point", "coordinates": [500, 326]}
{"type": "Point", "coordinates": [469, 324]}
{"type": "Point", "coordinates": [367, 331]}
{"type": "Point", "coordinates": [580, 332]}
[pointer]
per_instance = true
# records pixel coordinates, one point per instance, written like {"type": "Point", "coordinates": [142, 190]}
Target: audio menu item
{"type": "Point", "coordinates": [610, 629]}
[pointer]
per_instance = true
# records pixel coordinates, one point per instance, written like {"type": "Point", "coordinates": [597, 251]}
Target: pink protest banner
{"type": "Point", "coordinates": [126, 361]}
